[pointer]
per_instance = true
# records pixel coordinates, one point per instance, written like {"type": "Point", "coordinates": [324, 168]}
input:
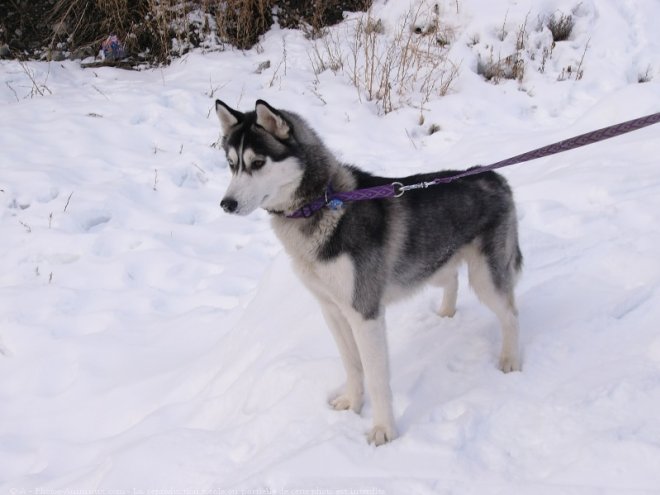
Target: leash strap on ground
{"type": "Point", "coordinates": [396, 189]}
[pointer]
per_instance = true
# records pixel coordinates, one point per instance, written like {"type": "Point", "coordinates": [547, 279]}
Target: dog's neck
{"type": "Point", "coordinates": [338, 179]}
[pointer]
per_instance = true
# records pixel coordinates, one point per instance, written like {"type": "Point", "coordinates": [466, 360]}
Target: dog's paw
{"type": "Point", "coordinates": [509, 363]}
{"type": "Point", "coordinates": [344, 402]}
{"type": "Point", "coordinates": [446, 312]}
{"type": "Point", "coordinates": [380, 435]}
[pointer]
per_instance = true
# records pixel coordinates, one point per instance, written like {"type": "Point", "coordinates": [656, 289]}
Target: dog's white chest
{"type": "Point", "coordinates": [331, 279]}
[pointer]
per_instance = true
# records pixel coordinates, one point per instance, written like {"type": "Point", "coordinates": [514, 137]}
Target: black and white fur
{"type": "Point", "coordinates": [357, 259]}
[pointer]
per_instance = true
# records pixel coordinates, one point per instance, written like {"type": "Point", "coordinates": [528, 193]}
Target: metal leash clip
{"type": "Point", "coordinates": [332, 203]}
{"type": "Point", "coordinates": [402, 189]}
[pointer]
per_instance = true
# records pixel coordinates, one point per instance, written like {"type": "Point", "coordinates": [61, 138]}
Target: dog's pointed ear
{"type": "Point", "coordinates": [271, 120]}
{"type": "Point", "coordinates": [228, 116]}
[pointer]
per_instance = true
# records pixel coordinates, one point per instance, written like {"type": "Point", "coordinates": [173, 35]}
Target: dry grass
{"type": "Point", "coordinates": [146, 27]}
{"type": "Point", "coordinates": [575, 73]}
{"type": "Point", "coordinates": [497, 70]}
{"type": "Point", "coordinates": [405, 67]}
{"type": "Point", "coordinates": [560, 25]}
{"type": "Point", "coordinates": [241, 22]}
{"type": "Point", "coordinates": [313, 16]}
{"type": "Point", "coordinates": [153, 31]}
{"type": "Point", "coordinates": [38, 88]}
{"type": "Point", "coordinates": [512, 66]}
{"type": "Point", "coordinates": [646, 76]}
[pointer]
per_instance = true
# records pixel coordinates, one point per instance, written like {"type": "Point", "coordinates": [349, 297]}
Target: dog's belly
{"type": "Point", "coordinates": [396, 290]}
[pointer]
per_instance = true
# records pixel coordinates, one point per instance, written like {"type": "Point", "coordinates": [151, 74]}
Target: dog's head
{"type": "Point", "coordinates": [261, 152]}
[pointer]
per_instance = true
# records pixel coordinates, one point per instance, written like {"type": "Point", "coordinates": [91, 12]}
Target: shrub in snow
{"type": "Point", "coordinates": [510, 54]}
{"type": "Point", "coordinates": [560, 25]}
{"type": "Point", "coordinates": [406, 64]}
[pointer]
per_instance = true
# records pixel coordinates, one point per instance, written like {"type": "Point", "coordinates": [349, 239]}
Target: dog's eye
{"type": "Point", "coordinates": [257, 164]}
{"type": "Point", "coordinates": [230, 162]}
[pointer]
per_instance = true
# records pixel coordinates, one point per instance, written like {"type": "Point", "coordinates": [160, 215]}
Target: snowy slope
{"type": "Point", "coordinates": [147, 341]}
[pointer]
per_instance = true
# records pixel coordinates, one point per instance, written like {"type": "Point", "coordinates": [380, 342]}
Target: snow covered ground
{"type": "Point", "coordinates": [150, 342]}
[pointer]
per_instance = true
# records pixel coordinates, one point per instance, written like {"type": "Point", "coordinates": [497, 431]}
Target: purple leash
{"type": "Point", "coordinates": [334, 200]}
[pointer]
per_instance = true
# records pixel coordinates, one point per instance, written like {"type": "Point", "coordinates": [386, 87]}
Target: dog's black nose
{"type": "Point", "coordinates": [229, 205]}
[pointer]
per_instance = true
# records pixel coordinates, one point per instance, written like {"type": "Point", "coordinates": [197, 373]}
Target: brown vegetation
{"type": "Point", "coordinates": [153, 31]}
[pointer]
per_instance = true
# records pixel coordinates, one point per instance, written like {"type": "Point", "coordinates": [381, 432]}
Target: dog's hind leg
{"type": "Point", "coordinates": [505, 310]}
{"type": "Point", "coordinates": [500, 299]}
{"type": "Point", "coordinates": [352, 397]}
{"type": "Point", "coordinates": [371, 341]}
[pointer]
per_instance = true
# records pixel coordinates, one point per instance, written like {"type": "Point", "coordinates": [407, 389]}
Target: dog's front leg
{"type": "Point", "coordinates": [353, 394]}
{"type": "Point", "coordinates": [371, 341]}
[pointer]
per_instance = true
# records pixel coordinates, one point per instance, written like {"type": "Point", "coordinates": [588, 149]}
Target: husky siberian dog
{"type": "Point", "coordinates": [357, 258]}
